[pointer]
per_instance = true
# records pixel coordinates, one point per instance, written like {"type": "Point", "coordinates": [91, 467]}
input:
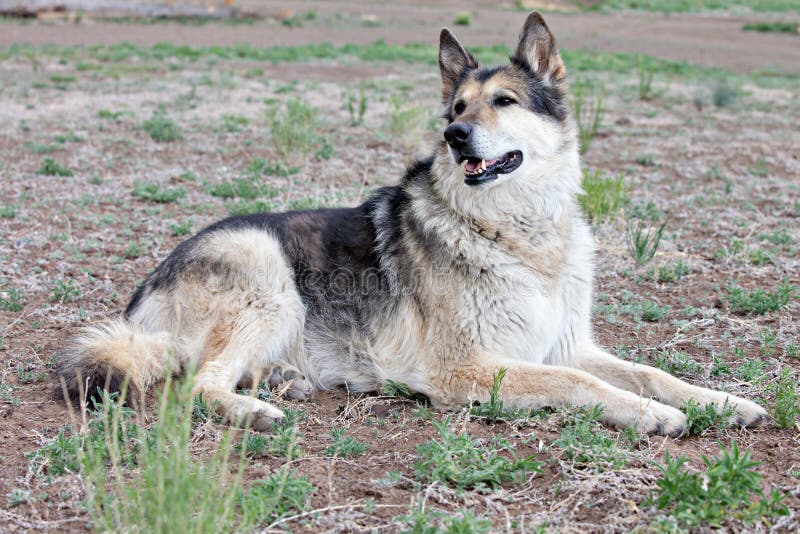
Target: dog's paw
{"type": "Point", "coordinates": [748, 414]}
{"type": "Point", "coordinates": [662, 420]}
{"type": "Point", "coordinates": [290, 383]}
{"type": "Point", "coordinates": [257, 414]}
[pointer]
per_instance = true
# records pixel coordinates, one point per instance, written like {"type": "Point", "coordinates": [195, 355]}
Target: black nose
{"type": "Point", "coordinates": [457, 134]}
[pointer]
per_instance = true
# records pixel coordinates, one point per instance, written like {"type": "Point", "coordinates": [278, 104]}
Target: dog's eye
{"type": "Point", "coordinates": [504, 101]}
{"type": "Point", "coordinates": [459, 108]}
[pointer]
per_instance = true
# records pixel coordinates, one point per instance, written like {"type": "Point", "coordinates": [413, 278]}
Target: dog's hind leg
{"type": "Point", "coordinates": [244, 343]}
{"type": "Point", "coordinates": [651, 382]}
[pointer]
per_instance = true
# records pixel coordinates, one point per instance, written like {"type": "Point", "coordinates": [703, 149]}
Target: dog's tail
{"type": "Point", "coordinates": [111, 355]}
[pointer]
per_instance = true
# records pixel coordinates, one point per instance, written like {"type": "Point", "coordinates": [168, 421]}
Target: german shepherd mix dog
{"type": "Point", "coordinates": [479, 260]}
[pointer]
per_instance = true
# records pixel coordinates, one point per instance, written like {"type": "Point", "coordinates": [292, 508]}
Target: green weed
{"type": "Point", "coordinates": [10, 299]}
{"type": "Point", "coordinates": [399, 389]}
{"type": "Point", "coordinates": [495, 409]}
{"type": "Point", "coordinates": [604, 195]}
{"type": "Point", "coordinates": [643, 240]}
{"type": "Point", "coordinates": [667, 274]}
{"type": "Point", "coordinates": [786, 410]}
{"type": "Point", "coordinates": [418, 520]}
{"type": "Point", "coordinates": [646, 83]}
{"type": "Point", "coordinates": [701, 418]}
{"type": "Point", "coordinates": [64, 291]}
{"type": "Point", "coordinates": [759, 301]}
{"type": "Point", "coordinates": [344, 446]}
{"type": "Point", "coordinates": [161, 129]}
{"type": "Point", "coordinates": [464, 18]}
{"type": "Point", "coordinates": [276, 496]}
{"type": "Point", "coordinates": [180, 229]}
{"type": "Point", "coordinates": [8, 211]}
{"type": "Point", "coordinates": [357, 117]}
{"type": "Point", "coordinates": [729, 488]}
{"type": "Point", "coordinates": [772, 27]}
{"type": "Point", "coordinates": [295, 130]}
{"type": "Point", "coordinates": [585, 442]}
{"type": "Point", "coordinates": [155, 193]}
{"type": "Point", "coordinates": [723, 94]}
{"type": "Point", "coordinates": [464, 462]}
{"type": "Point", "coordinates": [677, 363]}
{"type": "Point", "coordinates": [588, 108]}
{"type": "Point", "coordinates": [51, 167]}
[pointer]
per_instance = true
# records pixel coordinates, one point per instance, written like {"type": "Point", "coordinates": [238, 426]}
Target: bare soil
{"type": "Point", "coordinates": [727, 180]}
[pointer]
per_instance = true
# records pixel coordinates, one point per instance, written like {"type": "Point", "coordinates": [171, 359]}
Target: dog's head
{"type": "Point", "coordinates": [510, 122]}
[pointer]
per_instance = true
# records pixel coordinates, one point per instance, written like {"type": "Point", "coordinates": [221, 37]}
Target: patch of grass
{"type": "Point", "coordinates": [180, 228]}
{"type": "Point", "coordinates": [17, 497]}
{"type": "Point", "coordinates": [584, 441]}
{"type": "Point", "coordinates": [404, 120]}
{"type": "Point", "coordinates": [344, 446]}
{"type": "Point", "coordinates": [677, 363]}
{"type": "Point", "coordinates": [64, 291]}
{"type": "Point", "coordinates": [786, 409]}
{"type": "Point", "coordinates": [295, 130]}
{"type": "Point", "coordinates": [729, 488]}
{"type": "Point", "coordinates": [246, 208]}
{"type": "Point", "coordinates": [588, 107]}
{"type": "Point", "coordinates": [759, 301]}
{"type": "Point", "coordinates": [464, 18]}
{"type": "Point", "coordinates": [357, 118]}
{"type": "Point", "coordinates": [463, 461]}
{"type": "Point", "coordinates": [694, 6]}
{"type": "Point", "coordinates": [274, 497]}
{"type": "Point", "coordinates": [161, 129]}
{"type": "Point", "coordinates": [772, 27]}
{"type": "Point", "coordinates": [723, 94]}
{"type": "Point", "coordinates": [646, 83]}
{"type": "Point", "coordinates": [495, 410]}
{"type": "Point", "coordinates": [399, 389]}
{"type": "Point", "coordinates": [10, 299]}
{"type": "Point", "coordinates": [234, 123]}
{"type": "Point", "coordinates": [60, 456]}
{"type": "Point", "coordinates": [604, 195]}
{"type": "Point", "coordinates": [419, 520]}
{"type": "Point", "coordinates": [51, 167]}
{"type": "Point", "coordinates": [7, 211]}
{"type": "Point", "coordinates": [240, 187]}
{"type": "Point", "coordinates": [643, 240]}
{"type": "Point", "coordinates": [701, 418]}
{"type": "Point", "coordinates": [155, 193]}
{"type": "Point", "coordinates": [667, 274]}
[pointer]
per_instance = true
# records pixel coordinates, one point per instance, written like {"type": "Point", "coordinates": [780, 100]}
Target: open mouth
{"type": "Point", "coordinates": [479, 171]}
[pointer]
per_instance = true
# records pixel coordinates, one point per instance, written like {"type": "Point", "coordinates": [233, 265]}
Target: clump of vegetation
{"type": "Point", "coordinates": [772, 27]}
{"type": "Point", "coordinates": [161, 129]}
{"type": "Point", "coordinates": [275, 497]}
{"type": "Point", "coordinates": [729, 488]}
{"type": "Point", "coordinates": [585, 442]}
{"type": "Point", "coordinates": [786, 409]}
{"type": "Point", "coordinates": [723, 94]}
{"type": "Point", "coordinates": [604, 195]}
{"type": "Point", "coordinates": [495, 410]}
{"type": "Point", "coordinates": [405, 121]}
{"type": "Point", "coordinates": [701, 418]}
{"type": "Point", "coordinates": [760, 301]}
{"type": "Point", "coordinates": [643, 240]}
{"type": "Point", "coordinates": [344, 446]}
{"type": "Point", "coordinates": [295, 130]}
{"type": "Point", "coordinates": [464, 18]}
{"type": "Point", "coordinates": [64, 291]}
{"type": "Point", "coordinates": [399, 389]}
{"type": "Point", "coordinates": [155, 193]}
{"type": "Point", "coordinates": [357, 117]}
{"type": "Point", "coordinates": [667, 274]}
{"type": "Point", "coordinates": [51, 167]}
{"type": "Point", "coordinates": [646, 83]}
{"type": "Point", "coordinates": [588, 103]}
{"type": "Point", "coordinates": [421, 521]}
{"type": "Point", "coordinates": [10, 299]}
{"type": "Point", "coordinates": [464, 462]}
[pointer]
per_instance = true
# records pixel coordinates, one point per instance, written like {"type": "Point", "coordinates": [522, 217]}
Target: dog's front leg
{"type": "Point", "coordinates": [652, 382]}
{"type": "Point", "coordinates": [529, 385]}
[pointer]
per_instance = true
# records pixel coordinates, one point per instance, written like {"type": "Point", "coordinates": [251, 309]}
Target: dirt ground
{"type": "Point", "coordinates": [725, 178]}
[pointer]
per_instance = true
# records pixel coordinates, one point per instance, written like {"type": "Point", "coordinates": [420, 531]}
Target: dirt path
{"type": "Point", "coordinates": [712, 41]}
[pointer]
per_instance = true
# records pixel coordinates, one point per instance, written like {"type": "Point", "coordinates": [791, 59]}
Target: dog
{"type": "Point", "coordinates": [480, 260]}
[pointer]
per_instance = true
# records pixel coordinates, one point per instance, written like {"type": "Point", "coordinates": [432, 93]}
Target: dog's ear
{"type": "Point", "coordinates": [537, 49]}
{"type": "Point", "coordinates": [453, 61]}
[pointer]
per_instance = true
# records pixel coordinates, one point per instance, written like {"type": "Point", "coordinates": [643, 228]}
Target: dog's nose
{"type": "Point", "coordinates": [457, 134]}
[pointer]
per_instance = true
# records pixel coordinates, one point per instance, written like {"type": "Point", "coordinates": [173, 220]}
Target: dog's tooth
{"type": "Point", "coordinates": [483, 164]}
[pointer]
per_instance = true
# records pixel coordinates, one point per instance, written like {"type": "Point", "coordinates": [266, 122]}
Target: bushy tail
{"type": "Point", "coordinates": [107, 355]}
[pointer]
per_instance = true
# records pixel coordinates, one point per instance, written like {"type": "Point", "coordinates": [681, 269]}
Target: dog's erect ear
{"type": "Point", "coordinates": [453, 61]}
{"type": "Point", "coordinates": [537, 48]}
